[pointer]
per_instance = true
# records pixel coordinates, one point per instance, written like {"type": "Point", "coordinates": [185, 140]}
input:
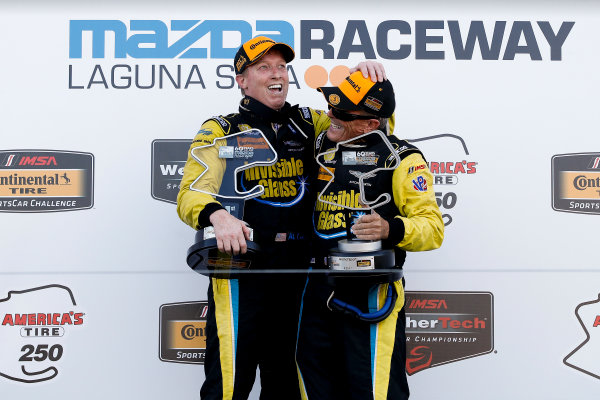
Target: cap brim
{"type": "Point", "coordinates": [344, 103]}
{"type": "Point", "coordinates": [286, 51]}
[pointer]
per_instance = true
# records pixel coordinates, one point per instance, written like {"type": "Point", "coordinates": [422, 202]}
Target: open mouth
{"type": "Point", "coordinates": [276, 88]}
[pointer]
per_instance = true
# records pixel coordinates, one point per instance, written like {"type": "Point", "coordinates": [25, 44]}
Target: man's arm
{"type": "Point", "coordinates": [419, 225]}
{"type": "Point", "coordinates": [191, 203]}
{"type": "Point", "coordinates": [200, 209]}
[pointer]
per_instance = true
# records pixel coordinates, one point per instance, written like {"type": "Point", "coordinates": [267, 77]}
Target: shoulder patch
{"type": "Point", "coordinates": [416, 168]}
{"type": "Point", "coordinates": [226, 122]}
{"type": "Point", "coordinates": [420, 184]}
{"type": "Point", "coordinates": [319, 140]}
{"type": "Point", "coordinates": [305, 115]}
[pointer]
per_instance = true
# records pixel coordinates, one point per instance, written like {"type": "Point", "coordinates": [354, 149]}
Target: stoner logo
{"type": "Point", "coordinates": [444, 327]}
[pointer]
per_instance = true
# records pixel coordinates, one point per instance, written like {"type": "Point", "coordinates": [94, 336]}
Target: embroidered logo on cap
{"type": "Point", "coordinates": [334, 99]}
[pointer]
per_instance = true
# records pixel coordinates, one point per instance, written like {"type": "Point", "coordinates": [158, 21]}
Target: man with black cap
{"type": "Point", "coordinates": [253, 320]}
{"type": "Point", "coordinates": [351, 340]}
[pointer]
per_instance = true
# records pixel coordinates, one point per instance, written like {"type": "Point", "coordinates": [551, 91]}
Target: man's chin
{"type": "Point", "coordinates": [276, 104]}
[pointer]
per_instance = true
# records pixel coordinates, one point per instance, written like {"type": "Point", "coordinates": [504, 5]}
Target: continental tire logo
{"type": "Point", "coordinates": [183, 332]}
{"type": "Point", "coordinates": [46, 180]}
{"type": "Point", "coordinates": [576, 183]}
{"type": "Point", "coordinates": [445, 327]}
{"type": "Point", "coordinates": [168, 159]}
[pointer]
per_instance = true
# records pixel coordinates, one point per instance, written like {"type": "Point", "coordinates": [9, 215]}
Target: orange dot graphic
{"type": "Point", "coordinates": [338, 74]}
{"type": "Point", "coordinates": [315, 76]}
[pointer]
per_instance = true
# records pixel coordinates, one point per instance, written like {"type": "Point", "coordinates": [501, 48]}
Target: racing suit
{"type": "Point", "coordinates": [340, 357]}
{"type": "Point", "coordinates": [253, 320]}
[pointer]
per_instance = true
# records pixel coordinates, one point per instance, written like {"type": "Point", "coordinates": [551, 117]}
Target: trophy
{"type": "Point", "coordinates": [355, 260]}
{"type": "Point", "coordinates": [224, 160]}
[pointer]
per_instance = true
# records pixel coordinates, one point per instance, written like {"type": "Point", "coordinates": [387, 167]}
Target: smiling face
{"type": "Point", "coordinates": [266, 80]}
{"type": "Point", "coordinates": [340, 131]}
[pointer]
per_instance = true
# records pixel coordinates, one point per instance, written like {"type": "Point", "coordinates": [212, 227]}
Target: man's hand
{"type": "Point", "coordinates": [231, 233]}
{"type": "Point", "coordinates": [371, 227]}
{"type": "Point", "coordinates": [371, 69]}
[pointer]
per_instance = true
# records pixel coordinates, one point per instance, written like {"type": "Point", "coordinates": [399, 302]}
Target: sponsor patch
{"type": "Point", "coordinates": [334, 99]}
{"type": "Point", "coordinates": [253, 142]}
{"type": "Point", "coordinates": [420, 184]}
{"type": "Point", "coordinates": [305, 113]}
{"type": "Point", "coordinates": [324, 175]}
{"type": "Point", "coordinates": [415, 168]}
{"type": "Point", "coordinates": [359, 158]}
{"type": "Point", "coordinates": [373, 103]}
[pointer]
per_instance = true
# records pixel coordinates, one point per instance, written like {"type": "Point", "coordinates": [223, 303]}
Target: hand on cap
{"type": "Point", "coordinates": [371, 69]}
{"type": "Point", "coordinates": [231, 233]}
{"type": "Point", "coordinates": [371, 227]}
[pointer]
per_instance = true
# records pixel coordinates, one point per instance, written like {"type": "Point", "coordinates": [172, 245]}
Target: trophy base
{"type": "Point", "coordinates": [362, 262]}
{"type": "Point", "coordinates": [205, 258]}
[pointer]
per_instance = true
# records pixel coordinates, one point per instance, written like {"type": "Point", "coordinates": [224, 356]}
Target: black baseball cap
{"type": "Point", "coordinates": [357, 93]}
{"type": "Point", "coordinates": [251, 51]}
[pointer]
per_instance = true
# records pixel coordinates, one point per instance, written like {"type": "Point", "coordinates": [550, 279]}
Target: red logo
{"type": "Point", "coordinates": [419, 358]}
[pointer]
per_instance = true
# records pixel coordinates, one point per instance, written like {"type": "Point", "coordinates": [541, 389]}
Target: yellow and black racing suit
{"type": "Point", "coordinates": [340, 357]}
{"type": "Point", "coordinates": [253, 320]}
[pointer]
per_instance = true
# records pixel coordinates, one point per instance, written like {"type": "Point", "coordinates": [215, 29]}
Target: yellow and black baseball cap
{"type": "Point", "coordinates": [251, 51]}
{"type": "Point", "coordinates": [359, 93]}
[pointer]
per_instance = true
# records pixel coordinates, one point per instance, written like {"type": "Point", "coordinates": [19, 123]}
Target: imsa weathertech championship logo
{"type": "Point", "coordinates": [183, 332]}
{"type": "Point", "coordinates": [576, 183]}
{"type": "Point", "coordinates": [46, 180]}
{"type": "Point", "coordinates": [34, 325]}
{"type": "Point", "coordinates": [444, 327]}
{"type": "Point", "coordinates": [168, 159]}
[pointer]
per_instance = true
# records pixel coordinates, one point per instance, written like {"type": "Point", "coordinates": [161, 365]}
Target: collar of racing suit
{"type": "Point", "coordinates": [255, 109]}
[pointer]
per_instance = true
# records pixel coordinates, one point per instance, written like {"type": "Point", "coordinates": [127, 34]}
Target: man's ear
{"type": "Point", "coordinates": [241, 81]}
{"type": "Point", "coordinates": [372, 124]}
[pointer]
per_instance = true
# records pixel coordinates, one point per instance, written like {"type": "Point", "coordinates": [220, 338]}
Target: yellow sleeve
{"type": "Point", "coordinates": [320, 121]}
{"type": "Point", "coordinates": [191, 202]}
{"type": "Point", "coordinates": [415, 200]}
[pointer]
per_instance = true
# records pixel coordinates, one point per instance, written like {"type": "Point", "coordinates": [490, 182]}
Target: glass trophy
{"type": "Point", "coordinates": [223, 160]}
{"type": "Point", "coordinates": [354, 258]}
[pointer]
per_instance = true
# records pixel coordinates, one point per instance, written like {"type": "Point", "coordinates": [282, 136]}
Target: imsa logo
{"type": "Point", "coordinates": [183, 332]}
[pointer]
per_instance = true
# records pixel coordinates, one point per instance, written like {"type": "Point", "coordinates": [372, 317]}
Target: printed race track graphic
{"type": "Point", "coordinates": [447, 171]}
{"type": "Point", "coordinates": [32, 331]}
{"type": "Point", "coordinates": [585, 357]}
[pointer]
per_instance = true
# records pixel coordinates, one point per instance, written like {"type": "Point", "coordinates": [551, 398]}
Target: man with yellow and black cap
{"type": "Point", "coordinates": [351, 339]}
{"type": "Point", "coordinates": [253, 320]}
